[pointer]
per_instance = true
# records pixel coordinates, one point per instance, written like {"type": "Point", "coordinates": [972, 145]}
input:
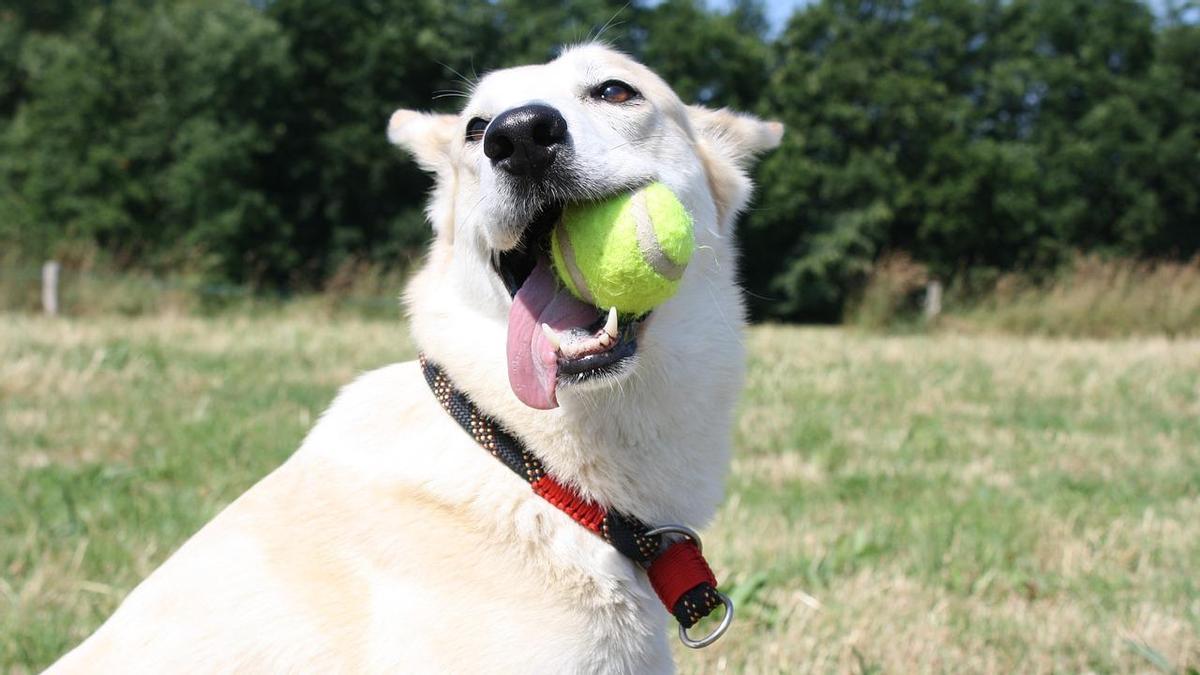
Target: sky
{"type": "Point", "coordinates": [778, 11]}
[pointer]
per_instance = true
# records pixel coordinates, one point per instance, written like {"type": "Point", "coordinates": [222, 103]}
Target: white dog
{"type": "Point", "coordinates": [392, 541]}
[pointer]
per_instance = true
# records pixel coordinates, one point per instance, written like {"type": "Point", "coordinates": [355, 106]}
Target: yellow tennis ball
{"type": "Point", "coordinates": [628, 251]}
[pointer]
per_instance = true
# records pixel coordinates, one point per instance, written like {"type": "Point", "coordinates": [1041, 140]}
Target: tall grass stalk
{"type": "Point", "coordinates": [1093, 297]}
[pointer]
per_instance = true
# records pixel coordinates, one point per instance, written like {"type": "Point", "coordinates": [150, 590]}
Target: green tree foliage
{"type": "Point", "coordinates": [18, 20]}
{"type": "Point", "coordinates": [978, 134]}
{"type": "Point", "coordinates": [708, 57]}
{"type": "Point", "coordinates": [340, 186]}
{"type": "Point", "coordinates": [247, 137]}
{"type": "Point", "coordinates": [534, 31]}
{"type": "Point", "coordinates": [711, 59]}
{"type": "Point", "coordinates": [143, 131]}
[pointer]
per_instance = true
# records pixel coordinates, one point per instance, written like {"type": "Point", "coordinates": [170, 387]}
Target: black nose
{"type": "Point", "coordinates": [524, 141]}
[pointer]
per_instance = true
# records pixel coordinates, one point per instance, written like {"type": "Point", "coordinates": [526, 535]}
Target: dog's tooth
{"type": "Point", "coordinates": [552, 336]}
{"type": "Point", "coordinates": [605, 340]}
{"type": "Point", "coordinates": [610, 326]}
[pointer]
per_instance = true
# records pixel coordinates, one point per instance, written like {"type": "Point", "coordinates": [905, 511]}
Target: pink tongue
{"type": "Point", "coordinates": [532, 360]}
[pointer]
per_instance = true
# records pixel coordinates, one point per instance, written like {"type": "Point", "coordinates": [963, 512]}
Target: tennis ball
{"type": "Point", "coordinates": [628, 251]}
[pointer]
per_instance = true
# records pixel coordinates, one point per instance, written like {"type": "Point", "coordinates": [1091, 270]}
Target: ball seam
{"type": "Point", "coordinates": [648, 243]}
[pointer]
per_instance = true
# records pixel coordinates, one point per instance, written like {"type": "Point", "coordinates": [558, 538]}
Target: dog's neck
{"type": "Point", "coordinates": [656, 445]}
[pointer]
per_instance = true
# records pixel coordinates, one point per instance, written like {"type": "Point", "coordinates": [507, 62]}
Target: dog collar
{"type": "Point", "coordinates": [677, 569]}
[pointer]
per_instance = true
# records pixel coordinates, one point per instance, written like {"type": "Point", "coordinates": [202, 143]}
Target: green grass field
{"type": "Point", "coordinates": [922, 503]}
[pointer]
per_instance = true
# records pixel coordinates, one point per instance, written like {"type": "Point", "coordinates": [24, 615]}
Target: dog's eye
{"type": "Point", "coordinates": [615, 91]}
{"type": "Point", "coordinates": [475, 129]}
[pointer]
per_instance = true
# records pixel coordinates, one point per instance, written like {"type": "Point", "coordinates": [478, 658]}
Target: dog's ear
{"type": "Point", "coordinates": [727, 142]}
{"type": "Point", "coordinates": [426, 136]}
{"type": "Point", "coordinates": [737, 136]}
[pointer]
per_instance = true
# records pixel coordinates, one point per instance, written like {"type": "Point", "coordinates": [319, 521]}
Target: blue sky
{"type": "Point", "coordinates": [779, 10]}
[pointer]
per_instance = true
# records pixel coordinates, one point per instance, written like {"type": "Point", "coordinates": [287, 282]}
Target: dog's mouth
{"type": "Point", "coordinates": [553, 337]}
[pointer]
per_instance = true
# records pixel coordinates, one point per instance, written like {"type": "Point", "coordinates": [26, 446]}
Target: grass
{"type": "Point", "coordinates": [1096, 297]}
{"type": "Point", "coordinates": [90, 287]}
{"type": "Point", "coordinates": [920, 503]}
{"type": "Point", "coordinates": [1091, 296]}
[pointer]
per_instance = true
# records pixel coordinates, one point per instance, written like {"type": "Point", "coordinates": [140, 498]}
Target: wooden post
{"type": "Point", "coordinates": [933, 299]}
{"type": "Point", "coordinates": [50, 288]}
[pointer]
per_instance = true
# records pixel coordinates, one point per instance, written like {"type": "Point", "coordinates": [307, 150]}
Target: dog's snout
{"type": "Point", "coordinates": [524, 141]}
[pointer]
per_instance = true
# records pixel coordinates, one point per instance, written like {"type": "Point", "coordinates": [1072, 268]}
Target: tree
{"type": "Point", "coordinates": [865, 91]}
{"type": "Point", "coordinates": [143, 128]}
{"type": "Point", "coordinates": [340, 187]}
{"type": "Point", "coordinates": [979, 135]}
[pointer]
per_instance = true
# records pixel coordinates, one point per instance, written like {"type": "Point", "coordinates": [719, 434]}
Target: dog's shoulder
{"type": "Point", "coordinates": [383, 401]}
{"type": "Point", "coordinates": [383, 417]}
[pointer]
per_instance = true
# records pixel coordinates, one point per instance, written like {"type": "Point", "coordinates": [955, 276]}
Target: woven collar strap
{"type": "Point", "coordinates": [678, 572]}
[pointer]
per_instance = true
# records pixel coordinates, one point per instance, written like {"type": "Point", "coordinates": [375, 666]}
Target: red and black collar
{"type": "Point", "coordinates": [677, 570]}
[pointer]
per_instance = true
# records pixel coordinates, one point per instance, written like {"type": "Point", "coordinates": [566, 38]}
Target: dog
{"type": "Point", "coordinates": [391, 541]}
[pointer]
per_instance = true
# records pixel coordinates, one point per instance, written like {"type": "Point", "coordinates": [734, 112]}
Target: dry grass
{"type": "Point", "coordinates": [1091, 297]}
{"type": "Point", "coordinates": [1097, 297]}
{"type": "Point", "coordinates": [925, 503]}
{"type": "Point", "coordinates": [89, 288]}
{"type": "Point", "coordinates": [891, 295]}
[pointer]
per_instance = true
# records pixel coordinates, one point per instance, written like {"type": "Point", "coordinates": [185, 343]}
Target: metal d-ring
{"type": "Point", "coordinates": [679, 529]}
{"type": "Point", "coordinates": [726, 620]}
{"type": "Point", "coordinates": [716, 634]}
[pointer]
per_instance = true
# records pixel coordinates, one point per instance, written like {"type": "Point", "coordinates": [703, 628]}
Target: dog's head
{"type": "Point", "coordinates": [590, 124]}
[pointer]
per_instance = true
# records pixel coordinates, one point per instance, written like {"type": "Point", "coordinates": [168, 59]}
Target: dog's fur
{"type": "Point", "coordinates": [391, 542]}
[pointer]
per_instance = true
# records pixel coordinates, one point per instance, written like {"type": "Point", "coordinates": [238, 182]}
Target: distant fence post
{"type": "Point", "coordinates": [933, 299]}
{"type": "Point", "coordinates": [50, 288]}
